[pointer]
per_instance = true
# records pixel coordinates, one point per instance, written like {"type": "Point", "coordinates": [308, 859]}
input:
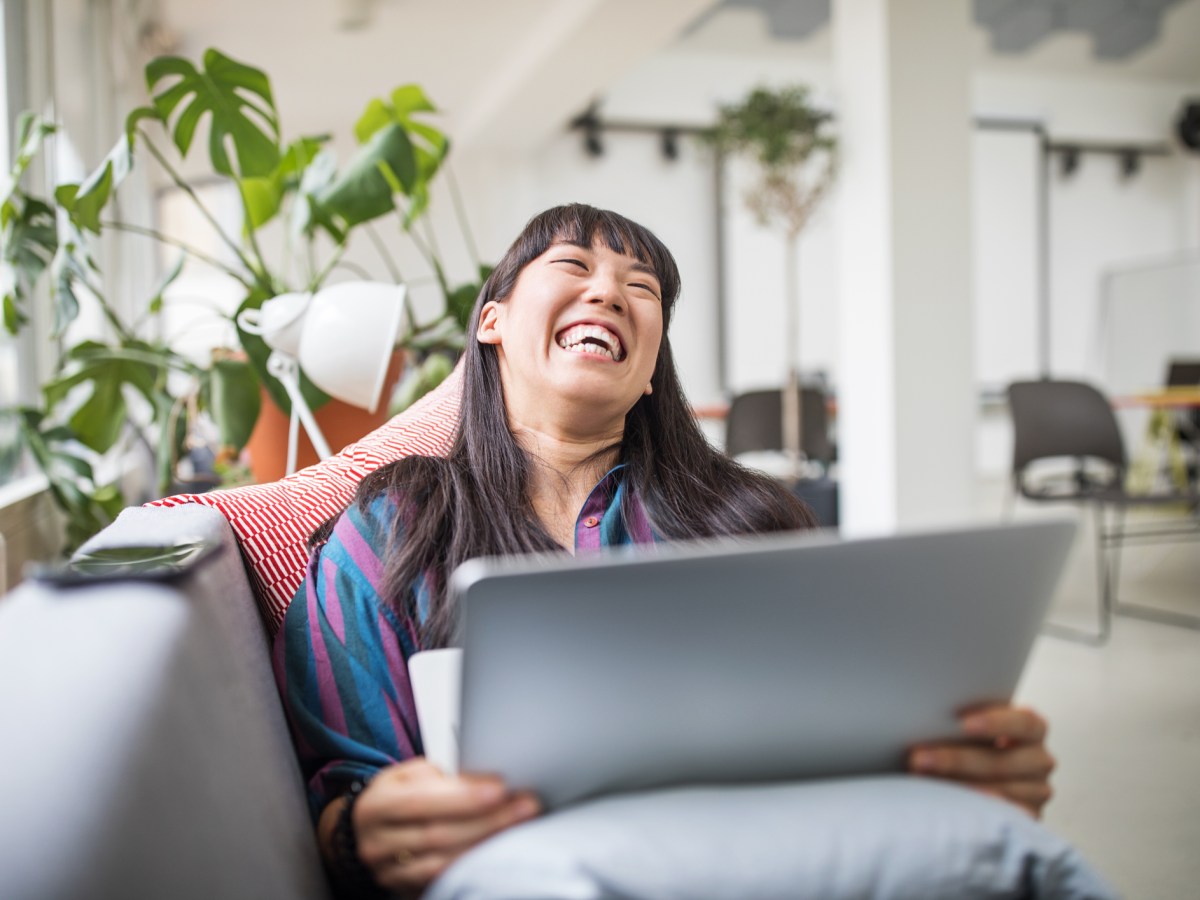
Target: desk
{"type": "Point", "coordinates": [1162, 451]}
{"type": "Point", "coordinates": [1163, 398]}
{"type": "Point", "coordinates": [719, 411]}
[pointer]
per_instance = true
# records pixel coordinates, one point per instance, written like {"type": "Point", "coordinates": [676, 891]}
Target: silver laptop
{"type": "Point", "coordinates": [782, 657]}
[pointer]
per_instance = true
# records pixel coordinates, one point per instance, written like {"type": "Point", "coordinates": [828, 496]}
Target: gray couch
{"type": "Point", "coordinates": [145, 755]}
{"type": "Point", "coordinates": [145, 752]}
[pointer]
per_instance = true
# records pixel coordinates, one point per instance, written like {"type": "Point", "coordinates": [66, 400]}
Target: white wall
{"type": "Point", "coordinates": [1098, 219]}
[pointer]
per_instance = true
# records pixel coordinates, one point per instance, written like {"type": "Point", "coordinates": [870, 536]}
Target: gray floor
{"type": "Point", "coordinates": [1125, 724]}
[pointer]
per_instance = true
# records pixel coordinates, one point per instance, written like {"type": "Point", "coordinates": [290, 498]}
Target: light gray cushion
{"type": "Point", "coordinates": [884, 837]}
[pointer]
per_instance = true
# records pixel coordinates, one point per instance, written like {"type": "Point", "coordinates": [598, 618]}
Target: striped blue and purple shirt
{"type": "Point", "coordinates": [341, 656]}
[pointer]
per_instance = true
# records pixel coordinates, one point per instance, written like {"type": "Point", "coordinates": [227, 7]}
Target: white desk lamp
{"type": "Point", "coordinates": [342, 337]}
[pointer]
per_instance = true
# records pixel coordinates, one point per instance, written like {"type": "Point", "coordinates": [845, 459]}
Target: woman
{"type": "Point", "coordinates": [574, 435]}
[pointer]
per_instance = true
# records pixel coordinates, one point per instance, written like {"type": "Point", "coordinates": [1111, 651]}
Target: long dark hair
{"type": "Point", "coordinates": [475, 501]}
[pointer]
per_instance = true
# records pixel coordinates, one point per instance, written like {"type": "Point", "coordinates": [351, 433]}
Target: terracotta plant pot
{"type": "Point", "coordinates": [340, 422]}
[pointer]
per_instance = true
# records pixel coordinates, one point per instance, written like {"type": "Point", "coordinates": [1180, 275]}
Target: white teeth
{"type": "Point", "coordinates": [573, 339]}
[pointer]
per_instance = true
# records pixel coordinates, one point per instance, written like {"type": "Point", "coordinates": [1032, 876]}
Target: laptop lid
{"type": "Point", "coordinates": [779, 657]}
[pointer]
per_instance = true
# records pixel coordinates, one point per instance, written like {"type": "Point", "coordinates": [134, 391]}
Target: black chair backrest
{"type": "Point", "coordinates": [1183, 373]}
{"type": "Point", "coordinates": [1063, 418]}
{"type": "Point", "coordinates": [755, 422]}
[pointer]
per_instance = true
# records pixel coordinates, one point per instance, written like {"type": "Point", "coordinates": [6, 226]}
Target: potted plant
{"type": "Point", "coordinates": [131, 375]}
{"type": "Point", "coordinates": [788, 140]}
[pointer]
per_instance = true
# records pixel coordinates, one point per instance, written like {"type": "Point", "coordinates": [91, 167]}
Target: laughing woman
{"type": "Point", "coordinates": [574, 435]}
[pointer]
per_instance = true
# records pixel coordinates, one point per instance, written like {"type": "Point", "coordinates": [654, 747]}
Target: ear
{"type": "Point", "coordinates": [649, 388]}
{"type": "Point", "coordinates": [488, 331]}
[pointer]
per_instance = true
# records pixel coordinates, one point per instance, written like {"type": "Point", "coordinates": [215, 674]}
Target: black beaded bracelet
{"type": "Point", "coordinates": [349, 869]}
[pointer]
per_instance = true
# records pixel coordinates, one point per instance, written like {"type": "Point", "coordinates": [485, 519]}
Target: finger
{"type": "Point", "coordinates": [427, 796]}
{"type": "Point", "coordinates": [1014, 724]}
{"type": "Point", "coordinates": [455, 836]}
{"type": "Point", "coordinates": [967, 762]}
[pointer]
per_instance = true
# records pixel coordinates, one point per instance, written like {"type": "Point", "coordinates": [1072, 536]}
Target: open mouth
{"type": "Point", "coordinates": [593, 339]}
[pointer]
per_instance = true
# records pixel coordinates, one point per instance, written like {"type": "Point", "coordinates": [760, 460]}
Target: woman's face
{"type": "Point", "coordinates": [578, 337]}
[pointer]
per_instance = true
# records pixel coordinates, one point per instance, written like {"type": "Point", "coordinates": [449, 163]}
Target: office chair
{"type": "Point", "coordinates": [1186, 373]}
{"type": "Point", "coordinates": [1057, 419]}
{"type": "Point", "coordinates": [755, 422]}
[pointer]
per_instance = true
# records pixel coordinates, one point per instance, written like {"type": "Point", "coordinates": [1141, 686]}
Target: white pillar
{"type": "Point", "coordinates": [906, 383]}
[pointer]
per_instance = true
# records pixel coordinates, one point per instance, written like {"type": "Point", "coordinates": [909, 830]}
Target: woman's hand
{"type": "Point", "coordinates": [1003, 754]}
{"type": "Point", "coordinates": [412, 821]}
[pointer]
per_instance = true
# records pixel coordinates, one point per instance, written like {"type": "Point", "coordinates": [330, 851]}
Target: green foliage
{"type": "Point", "coordinates": [28, 239]}
{"type": "Point", "coordinates": [104, 386]}
{"type": "Point", "coordinates": [231, 395]}
{"type": "Point", "coordinates": [786, 137]}
{"type": "Point", "coordinates": [238, 101]}
{"type": "Point", "coordinates": [88, 505]}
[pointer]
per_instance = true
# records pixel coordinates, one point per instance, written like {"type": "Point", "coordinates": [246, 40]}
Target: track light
{"type": "Point", "coordinates": [670, 144]}
{"type": "Point", "coordinates": [591, 139]}
{"type": "Point", "coordinates": [1068, 161]}
{"type": "Point", "coordinates": [1131, 162]}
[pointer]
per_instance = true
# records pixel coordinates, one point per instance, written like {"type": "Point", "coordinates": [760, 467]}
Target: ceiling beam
{"type": "Point", "coordinates": [565, 60]}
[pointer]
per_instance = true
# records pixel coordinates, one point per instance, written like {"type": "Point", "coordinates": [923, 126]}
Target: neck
{"type": "Point", "coordinates": [566, 466]}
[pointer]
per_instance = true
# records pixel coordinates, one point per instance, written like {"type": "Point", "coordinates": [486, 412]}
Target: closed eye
{"type": "Point", "coordinates": [574, 262]}
{"type": "Point", "coordinates": [647, 288]}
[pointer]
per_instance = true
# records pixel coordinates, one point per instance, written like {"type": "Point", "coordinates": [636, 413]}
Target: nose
{"type": "Point", "coordinates": [606, 291]}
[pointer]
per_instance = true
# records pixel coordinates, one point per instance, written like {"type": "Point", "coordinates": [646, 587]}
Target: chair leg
{"type": "Point", "coordinates": [1104, 608]}
{"type": "Point", "coordinates": [1139, 610]}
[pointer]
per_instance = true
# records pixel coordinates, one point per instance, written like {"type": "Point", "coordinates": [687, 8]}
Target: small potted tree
{"type": "Point", "coordinates": [788, 141]}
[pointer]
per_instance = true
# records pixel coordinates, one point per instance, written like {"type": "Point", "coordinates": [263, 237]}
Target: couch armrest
{"type": "Point", "coordinates": [153, 757]}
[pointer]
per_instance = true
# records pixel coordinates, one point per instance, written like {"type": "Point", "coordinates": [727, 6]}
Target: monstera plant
{"type": "Point", "coordinates": [130, 379]}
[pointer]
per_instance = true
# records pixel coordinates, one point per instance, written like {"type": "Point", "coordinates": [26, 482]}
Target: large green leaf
{"type": "Point", "coordinates": [171, 418]}
{"type": "Point", "coordinates": [13, 317]}
{"type": "Point", "coordinates": [233, 399]}
{"type": "Point", "coordinates": [85, 202]}
{"type": "Point", "coordinates": [99, 419]}
{"type": "Point", "coordinates": [31, 237]}
{"type": "Point", "coordinates": [307, 213]}
{"type": "Point", "coordinates": [68, 270]}
{"type": "Point", "coordinates": [263, 195]}
{"type": "Point", "coordinates": [461, 301]}
{"type": "Point", "coordinates": [29, 241]}
{"type": "Point", "coordinates": [362, 191]}
{"type": "Point", "coordinates": [429, 145]}
{"type": "Point", "coordinates": [236, 97]}
{"type": "Point", "coordinates": [87, 507]}
{"type": "Point", "coordinates": [399, 107]}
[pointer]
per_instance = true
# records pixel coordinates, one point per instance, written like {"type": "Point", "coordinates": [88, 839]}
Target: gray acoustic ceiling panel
{"type": "Point", "coordinates": [1086, 15]}
{"type": "Point", "coordinates": [1021, 28]}
{"type": "Point", "coordinates": [1118, 28]}
{"type": "Point", "coordinates": [1125, 33]}
{"type": "Point", "coordinates": [789, 20]}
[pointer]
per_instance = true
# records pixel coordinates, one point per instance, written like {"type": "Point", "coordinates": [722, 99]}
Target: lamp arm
{"type": "Point", "coordinates": [287, 370]}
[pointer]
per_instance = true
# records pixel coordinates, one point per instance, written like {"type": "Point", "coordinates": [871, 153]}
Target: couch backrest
{"type": "Point", "coordinates": [145, 750]}
{"type": "Point", "coordinates": [273, 521]}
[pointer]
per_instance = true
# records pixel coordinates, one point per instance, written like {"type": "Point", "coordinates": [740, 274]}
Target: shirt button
{"type": "Point", "coordinates": [591, 522]}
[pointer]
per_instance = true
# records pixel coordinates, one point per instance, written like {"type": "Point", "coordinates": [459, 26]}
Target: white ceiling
{"type": "Point", "coordinates": [1174, 56]}
{"type": "Point", "coordinates": [504, 73]}
{"type": "Point", "coordinates": [509, 74]}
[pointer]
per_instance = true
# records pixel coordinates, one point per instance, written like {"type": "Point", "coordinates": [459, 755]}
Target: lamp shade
{"type": "Point", "coordinates": [279, 321]}
{"type": "Point", "coordinates": [350, 330]}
